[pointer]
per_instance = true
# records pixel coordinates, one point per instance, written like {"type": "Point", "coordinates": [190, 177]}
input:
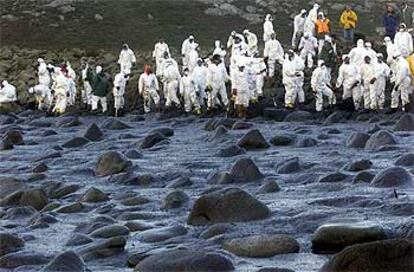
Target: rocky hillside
{"type": "Point", "coordinates": [107, 24]}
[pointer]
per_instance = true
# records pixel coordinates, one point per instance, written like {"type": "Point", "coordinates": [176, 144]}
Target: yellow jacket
{"type": "Point", "coordinates": [348, 19]}
{"type": "Point", "coordinates": [410, 60]}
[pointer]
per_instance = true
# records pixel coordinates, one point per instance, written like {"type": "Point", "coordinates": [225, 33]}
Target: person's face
{"type": "Point", "coordinates": [367, 60]}
{"type": "Point", "coordinates": [389, 9]}
{"type": "Point", "coordinates": [347, 60]}
{"type": "Point", "coordinates": [303, 15]}
{"type": "Point", "coordinates": [241, 69]}
{"type": "Point", "coordinates": [191, 40]}
{"type": "Point", "coordinates": [380, 59]}
{"type": "Point", "coordinates": [348, 8]}
{"type": "Point", "coordinates": [290, 55]}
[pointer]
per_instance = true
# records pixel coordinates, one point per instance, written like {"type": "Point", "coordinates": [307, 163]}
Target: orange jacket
{"type": "Point", "coordinates": [323, 26]}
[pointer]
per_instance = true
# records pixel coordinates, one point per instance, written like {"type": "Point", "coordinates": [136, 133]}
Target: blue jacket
{"type": "Point", "coordinates": [391, 23]}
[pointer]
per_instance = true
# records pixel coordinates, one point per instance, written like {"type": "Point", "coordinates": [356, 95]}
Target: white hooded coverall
{"type": "Point", "coordinates": [382, 73]}
{"type": "Point", "coordinates": [358, 54]}
{"type": "Point", "coordinates": [192, 56]}
{"type": "Point", "coordinates": [404, 42]}
{"type": "Point", "coordinates": [293, 80]}
{"type": "Point", "coordinates": [216, 79]}
{"type": "Point", "coordinates": [298, 28]}
{"type": "Point", "coordinates": [119, 90]}
{"type": "Point", "coordinates": [273, 52]}
{"type": "Point", "coordinates": [185, 50]}
{"type": "Point", "coordinates": [348, 76]}
{"type": "Point", "coordinates": [7, 93]}
{"type": "Point", "coordinates": [251, 43]}
{"type": "Point", "coordinates": [171, 80]}
{"type": "Point", "coordinates": [188, 92]}
{"type": "Point", "coordinates": [311, 20]}
{"type": "Point", "coordinates": [148, 88]}
{"type": "Point", "coordinates": [307, 47]}
{"type": "Point", "coordinates": [240, 83]}
{"type": "Point", "coordinates": [61, 89]}
{"type": "Point", "coordinates": [402, 80]}
{"type": "Point", "coordinates": [158, 54]}
{"type": "Point", "coordinates": [368, 88]}
{"type": "Point", "coordinates": [126, 59]}
{"type": "Point", "coordinates": [268, 29]}
{"type": "Point", "coordinates": [320, 87]}
{"type": "Point", "coordinates": [219, 51]}
{"type": "Point", "coordinates": [87, 88]}
{"type": "Point", "coordinates": [43, 73]}
{"type": "Point", "coordinates": [199, 76]}
{"type": "Point", "coordinates": [43, 96]}
{"type": "Point", "coordinates": [71, 75]}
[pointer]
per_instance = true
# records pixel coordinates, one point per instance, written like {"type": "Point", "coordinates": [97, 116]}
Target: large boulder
{"type": "Point", "coordinates": [253, 140]}
{"type": "Point", "coordinates": [380, 139]}
{"type": "Point", "coordinates": [357, 140]}
{"type": "Point", "coordinates": [93, 133]}
{"type": "Point", "coordinates": [14, 136]}
{"type": "Point", "coordinates": [227, 205]}
{"type": "Point", "coordinates": [269, 186]}
{"type": "Point", "coordinates": [298, 116]}
{"type": "Point", "coordinates": [161, 234]}
{"type": "Point", "coordinates": [103, 248]}
{"type": "Point", "coordinates": [94, 195]}
{"type": "Point", "coordinates": [289, 166]}
{"type": "Point", "coordinates": [393, 177]}
{"type": "Point", "coordinates": [111, 163]}
{"type": "Point", "coordinates": [9, 243]}
{"type": "Point", "coordinates": [245, 170]}
{"type": "Point", "coordinates": [150, 140]}
{"type": "Point", "coordinates": [262, 246]}
{"type": "Point", "coordinates": [115, 124]}
{"type": "Point", "coordinates": [282, 140]}
{"type": "Point", "coordinates": [175, 199]}
{"type": "Point", "coordinates": [333, 237]}
{"type": "Point", "coordinates": [35, 198]}
{"type": "Point", "coordinates": [186, 260]}
{"type": "Point", "coordinates": [379, 256]}
{"type": "Point", "coordinates": [110, 231]}
{"type": "Point", "coordinates": [358, 165]}
{"type": "Point", "coordinates": [406, 123]}
{"type": "Point", "coordinates": [231, 151]}
{"type": "Point", "coordinates": [22, 258]}
{"type": "Point", "coordinates": [405, 160]}
{"type": "Point", "coordinates": [75, 142]}
{"type": "Point", "coordinates": [165, 131]}
{"type": "Point", "coordinates": [68, 261]}
{"type": "Point", "coordinates": [9, 185]}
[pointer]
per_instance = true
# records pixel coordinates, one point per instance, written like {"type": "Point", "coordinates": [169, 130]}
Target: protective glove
{"type": "Point", "coordinates": [373, 81]}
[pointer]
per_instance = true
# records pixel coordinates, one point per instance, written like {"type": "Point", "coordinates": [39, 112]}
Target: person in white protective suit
{"type": "Point", "coordinates": [43, 94]}
{"type": "Point", "coordinates": [321, 86]}
{"type": "Point", "coordinates": [87, 87]}
{"type": "Point", "coordinates": [158, 54]}
{"type": "Point", "coordinates": [391, 51]}
{"type": "Point", "coordinates": [219, 50]}
{"type": "Point", "coordinates": [167, 59]}
{"type": "Point", "coordinates": [216, 83]}
{"type": "Point", "coordinates": [126, 59]}
{"type": "Point", "coordinates": [311, 20]}
{"type": "Point", "coordinates": [382, 73]}
{"type": "Point", "coordinates": [193, 56]}
{"type": "Point", "coordinates": [199, 76]}
{"type": "Point", "coordinates": [403, 40]}
{"type": "Point", "coordinates": [357, 54]}
{"type": "Point", "coordinates": [298, 28]}
{"type": "Point", "coordinates": [368, 81]}
{"type": "Point", "coordinates": [71, 75]}
{"type": "Point", "coordinates": [293, 77]}
{"type": "Point", "coordinates": [7, 93]}
{"type": "Point", "coordinates": [148, 88]}
{"type": "Point", "coordinates": [240, 89]}
{"type": "Point", "coordinates": [120, 81]}
{"type": "Point", "coordinates": [239, 51]}
{"type": "Point", "coordinates": [371, 52]}
{"type": "Point", "coordinates": [186, 47]}
{"type": "Point", "coordinates": [259, 73]}
{"type": "Point", "coordinates": [43, 73]}
{"type": "Point", "coordinates": [188, 92]}
{"type": "Point", "coordinates": [171, 77]}
{"type": "Point", "coordinates": [308, 47]}
{"type": "Point", "coordinates": [402, 83]}
{"type": "Point", "coordinates": [268, 29]}
{"type": "Point", "coordinates": [252, 41]}
{"type": "Point", "coordinates": [273, 52]}
{"type": "Point", "coordinates": [350, 79]}
{"type": "Point", "coordinates": [61, 90]}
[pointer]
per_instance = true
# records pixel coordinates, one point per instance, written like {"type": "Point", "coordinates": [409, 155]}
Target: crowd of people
{"type": "Point", "coordinates": [202, 84]}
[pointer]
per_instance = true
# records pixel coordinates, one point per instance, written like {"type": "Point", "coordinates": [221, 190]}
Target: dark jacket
{"type": "Point", "coordinates": [100, 85]}
{"type": "Point", "coordinates": [391, 23]}
{"type": "Point", "coordinates": [328, 55]}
